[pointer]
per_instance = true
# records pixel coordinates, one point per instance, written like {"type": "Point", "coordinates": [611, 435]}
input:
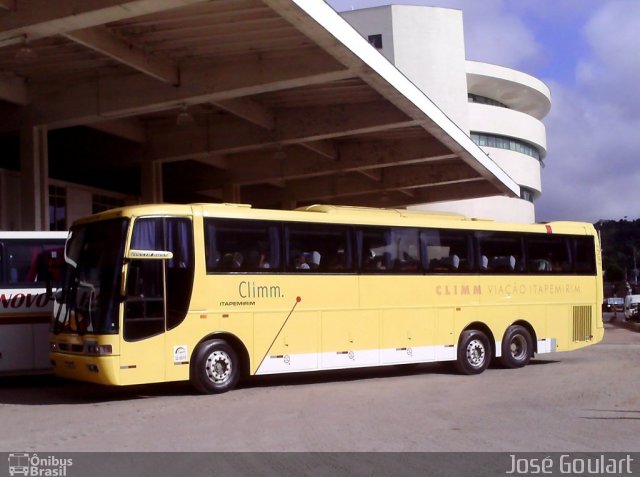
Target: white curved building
{"type": "Point", "coordinates": [500, 108]}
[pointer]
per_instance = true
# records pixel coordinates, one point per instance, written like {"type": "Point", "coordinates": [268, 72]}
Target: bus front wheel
{"type": "Point", "coordinates": [517, 347]}
{"type": "Point", "coordinates": [215, 368]}
{"type": "Point", "coordinates": [474, 352]}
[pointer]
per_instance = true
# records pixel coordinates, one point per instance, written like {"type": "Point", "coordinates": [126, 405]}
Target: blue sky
{"type": "Point", "coordinates": [588, 53]}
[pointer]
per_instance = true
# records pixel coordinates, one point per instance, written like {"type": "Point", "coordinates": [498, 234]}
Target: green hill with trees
{"type": "Point", "coordinates": [620, 240]}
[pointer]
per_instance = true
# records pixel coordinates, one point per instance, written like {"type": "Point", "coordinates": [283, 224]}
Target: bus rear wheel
{"type": "Point", "coordinates": [474, 352]}
{"type": "Point", "coordinates": [215, 368]}
{"type": "Point", "coordinates": [517, 347]}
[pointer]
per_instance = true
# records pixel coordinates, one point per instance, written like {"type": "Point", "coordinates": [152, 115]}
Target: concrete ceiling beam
{"type": "Point", "coordinates": [442, 192]}
{"type": "Point", "coordinates": [123, 96]}
{"type": "Point", "coordinates": [43, 18]}
{"type": "Point", "coordinates": [293, 127]}
{"type": "Point", "coordinates": [9, 5]}
{"type": "Point", "coordinates": [127, 128]}
{"type": "Point", "coordinates": [327, 122]}
{"type": "Point", "coordinates": [298, 164]}
{"type": "Point", "coordinates": [99, 39]}
{"type": "Point", "coordinates": [249, 110]}
{"type": "Point", "coordinates": [393, 179]}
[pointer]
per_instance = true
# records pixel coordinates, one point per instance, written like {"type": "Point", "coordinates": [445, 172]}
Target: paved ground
{"type": "Point", "coordinates": [579, 401]}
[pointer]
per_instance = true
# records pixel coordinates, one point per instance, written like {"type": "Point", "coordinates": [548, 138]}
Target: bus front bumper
{"type": "Point", "coordinates": [94, 369]}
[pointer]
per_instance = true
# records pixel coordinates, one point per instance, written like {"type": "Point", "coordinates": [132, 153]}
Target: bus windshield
{"type": "Point", "coordinates": [88, 301]}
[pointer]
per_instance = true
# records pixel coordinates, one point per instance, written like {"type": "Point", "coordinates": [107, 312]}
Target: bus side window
{"type": "Point", "coordinates": [30, 262]}
{"type": "Point", "coordinates": [504, 252]}
{"type": "Point", "coordinates": [445, 251]}
{"type": "Point", "coordinates": [233, 245]}
{"type": "Point", "coordinates": [406, 250]}
{"type": "Point", "coordinates": [53, 261]}
{"type": "Point", "coordinates": [19, 260]}
{"type": "Point", "coordinates": [318, 248]}
{"type": "Point", "coordinates": [144, 306]}
{"type": "Point", "coordinates": [548, 254]}
{"type": "Point", "coordinates": [375, 247]}
{"type": "Point", "coordinates": [584, 255]}
{"type": "Point", "coordinates": [173, 234]}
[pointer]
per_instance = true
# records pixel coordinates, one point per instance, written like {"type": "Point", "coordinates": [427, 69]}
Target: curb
{"type": "Point", "coordinates": [628, 325]}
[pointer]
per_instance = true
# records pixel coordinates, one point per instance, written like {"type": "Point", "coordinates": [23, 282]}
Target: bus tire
{"type": "Point", "coordinates": [474, 352]}
{"type": "Point", "coordinates": [517, 347]}
{"type": "Point", "coordinates": [215, 368]}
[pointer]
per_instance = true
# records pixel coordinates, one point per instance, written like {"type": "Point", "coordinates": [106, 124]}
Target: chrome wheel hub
{"type": "Point", "coordinates": [218, 367]}
{"type": "Point", "coordinates": [475, 353]}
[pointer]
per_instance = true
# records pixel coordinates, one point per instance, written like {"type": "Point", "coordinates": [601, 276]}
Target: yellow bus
{"type": "Point", "coordinates": [214, 292]}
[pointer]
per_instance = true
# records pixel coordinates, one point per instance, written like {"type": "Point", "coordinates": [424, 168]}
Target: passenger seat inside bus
{"type": "Point", "coordinates": [451, 262]}
{"type": "Point", "coordinates": [505, 263]}
{"type": "Point", "coordinates": [540, 265]}
{"type": "Point", "coordinates": [314, 260]}
{"type": "Point", "coordinates": [231, 261]}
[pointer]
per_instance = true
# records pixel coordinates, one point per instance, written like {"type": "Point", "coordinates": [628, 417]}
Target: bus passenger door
{"type": "Point", "coordinates": [142, 344]}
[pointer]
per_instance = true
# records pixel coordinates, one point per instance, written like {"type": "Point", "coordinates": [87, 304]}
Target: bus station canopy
{"type": "Point", "coordinates": [260, 101]}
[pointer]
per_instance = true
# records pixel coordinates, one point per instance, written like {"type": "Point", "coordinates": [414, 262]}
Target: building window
{"type": "Point", "coordinates": [100, 203]}
{"type": "Point", "coordinates": [375, 41]}
{"type": "Point", "coordinates": [502, 142]}
{"type": "Point", "coordinates": [527, 194]}
{"type": "Point", "coordinates": [57, 208]}
{"type": "Point", "coordinates": [476, 98]}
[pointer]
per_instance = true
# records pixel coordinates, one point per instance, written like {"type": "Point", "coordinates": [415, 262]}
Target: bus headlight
{"type": "Point", "coordinates": [99, 350]}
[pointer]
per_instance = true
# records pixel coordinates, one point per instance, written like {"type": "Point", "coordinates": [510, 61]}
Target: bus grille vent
{"type": "Point", "coordinates": [582, 319]}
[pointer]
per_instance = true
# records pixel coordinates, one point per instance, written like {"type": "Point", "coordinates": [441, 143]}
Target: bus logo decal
{"type": "Point", "coordinates": [251, 289]}
{"type": "Point", "coordinates": [180, 355]}
{"type": "Point", "coordinates": [19, 300]}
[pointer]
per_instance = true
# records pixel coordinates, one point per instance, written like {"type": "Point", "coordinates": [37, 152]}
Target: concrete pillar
{"type": "Point", "coordinates": [79, 203]}
{"type": "Point", "coordinates": [151, 186]}
{"type": "Point", "coordinates": [4, 209]}
{"type": "Point", "coordinates": [289, 204]}
{"type": "Point", "coordinates": [34, 178]}
{"type": "Point", "coordinates": [10, 208]}
{"type": "Point", "coordinates": [231, 194]}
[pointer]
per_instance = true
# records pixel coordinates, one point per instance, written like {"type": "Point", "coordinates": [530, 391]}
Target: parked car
{"type": "Point", "coordinates": [613, 304]}
{"type": "Point", "coordinates": [631, 303]}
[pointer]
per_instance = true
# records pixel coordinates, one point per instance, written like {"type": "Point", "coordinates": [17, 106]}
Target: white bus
{"type": "Point", "coordinates": [25, 310]}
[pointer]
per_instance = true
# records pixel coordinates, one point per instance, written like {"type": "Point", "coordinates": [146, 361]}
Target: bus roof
{"type": "Point", "coordinates": [348, 210]}
{"type": "Point", "coordinates": [340, 214]}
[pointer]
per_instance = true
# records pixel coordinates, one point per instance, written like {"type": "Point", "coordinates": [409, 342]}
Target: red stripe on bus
{"type": "Point", "coordinates": [25, 319]}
